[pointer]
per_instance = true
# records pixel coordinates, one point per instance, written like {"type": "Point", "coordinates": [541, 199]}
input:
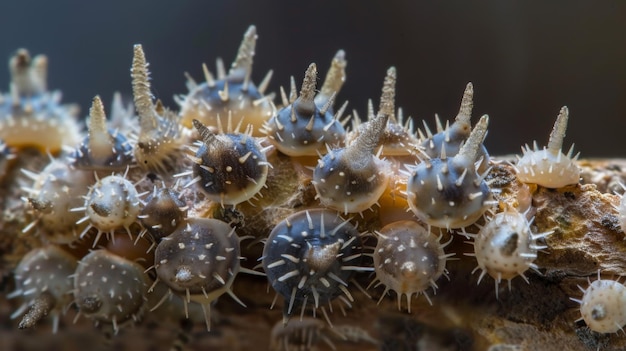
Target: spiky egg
{"type": "Point", "coordinates": [42, 279]}
{"type": "Point", "coordinates": [199, 261]}
{"type": "Point", "coordinates": [234, 93]}
{"type": "Point", "coordinates": [447, 192]}
{"type": "Point", "coordinates": [450, 138]}
{"type": "Point", "coordinates": [55, 191]}
{"type": "Point", "coordinates": [505, 247]}
{"type": "Point", "coordinates": [352, 179]}
{"type": "Point", "coordinates": [163, 212]}
{"type": "Point", "coordinates": [302, 128]}
{"type": "Point", "coordinates": [112, 203]}
{"type": "Point", "coordinates": [229, 168]}
{"type": "Point", "coordinates": [109, 288]}
{"type": "Point", "coordinates": [408, 259]}
{"type": "Point", "coordinates": [102, 149]}
{"type": "Point", "coordinates": [398, 138]}
{"type": "Point", "coordinates": [310, 257]}
{"type": "Point", "coordinates": [550, 167]}
{"type": "Point", "coordinates": [31, 116]}
{"type": "Point", "coordinates": [603, 305]}
{"type": "Point", "coordinates": [160, 135]}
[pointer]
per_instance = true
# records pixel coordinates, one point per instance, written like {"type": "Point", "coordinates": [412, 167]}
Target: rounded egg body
{"type": "Point", "coordinates": [113, 154]}
{"type": "Point", "coordinates": [452, 140]}
{"type": "Point", "coordinates": [505, 247]}
{"type": "Point", "coordinates": [310, 256]}
{"type": "Point", "coordinates": [32, 116]}
{"type": "Point", "coordinates": [549, 166]}
{"type": "Point", "coordinates": [112, 203]}
{"type": "Point", "coordinates": [39, 121]}
{"type": "Point", "coordinates": [43, 281]}
{"type": "Point", "coordinates": [55, 191]}
{"type": "Point", "coordinates": [300, 131]}
{"type": "Point", "coordinates": [398, 140]}
{"type": "Point", "coordinates": [46, 269]}
{"type": "Point", "coordinates": [244, 103]}
{"type": "Point", "coordinates": [547, 169]}
{"type": "Point", "coordinates": [163, 213]}
{"type": "Point", "coordinates": [159, 145]}
{"type": "Point", "coordinates": [344, 185]}
{"type": "Point", "coordinates": [109, 288]}
{"type": "Point", "coordinates": [232, 168]}
{"type": "Point", "coordinates": [201, 258]}
{"type": "Point", "coordinates": [447, 194]}
{"type": "Point", "coordinates": [408, 259]}
{"type": "Point", "coordinates": [603, 306]}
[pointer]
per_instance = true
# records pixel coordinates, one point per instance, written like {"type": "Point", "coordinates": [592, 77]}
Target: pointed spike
{"type": "Point", "coordinates": [221, 71]}
{"type": "Point", "coordinates": [368, 140]}
{"type": "Point", "coordinates": [470, 148]}
{"type": "Point", "coordinates": [206, 311]}
{"type": "Point", "coordinates": [388, 95]}
{"type": "Point", "coordinates": [370, 110]}
{"type": "Point", "coordinates": [558, 131]}
{"type": "Point", "coordinates": [459, 181]}
{"type": "Point", "coordinates": [243, 63]}
{"type": "Point", "coordinates": [40, 68]}
{"type": "Point", "coordinates": [334, 80]}
{"type": "Point", "coordinates": [305, 102]}
{"type": "Point", "coordinates": [467, 104]}
{"type": "Point", "coordinates": [205, 133]}
{"type": "Point", "coordinates": [293, 93]}
{"type": "Point", "coordinates": [443, 155]}
{"type": "Point", "coordinates": [224, 94]}
{"type": "Point", "coordinates": [309, 126]}
{"type": "Point", "coordinates": [39, 309]}
{"type": "Point", "coordinates": [283, 97]}
{"type": "Point", "coordinates": [97, 122]}
{"type": "Point", "coordinates": [340, 111]}
{"type": "Point", "coordinates": [141, 88]}
{"type": "Point", "coordinates": [266, 82]}
{"type": "Point", "coordinates": [293, 118]}
{"type": "Point", "coordinates": [570, 152]}
{"type": "Point", "coordinates": [429, 134]}
{"type": "Point", "coordinates": [100, 143]}
{"type": "Point", "coordinates": [159, 108]}
{"type": "Point", "coordinates": [191, 83]}
{"type": "Point", "coordinates": [208, 77]}
{"type": "Point", "coordinates": [438, 124]}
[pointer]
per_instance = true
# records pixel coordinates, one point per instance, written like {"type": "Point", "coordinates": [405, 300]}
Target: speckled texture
{"type": "Point", "coordinates": [464, 315]}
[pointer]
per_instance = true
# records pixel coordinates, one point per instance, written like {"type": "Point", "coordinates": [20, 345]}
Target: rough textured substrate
{"type": "Point", "coordinates": [464, 315]}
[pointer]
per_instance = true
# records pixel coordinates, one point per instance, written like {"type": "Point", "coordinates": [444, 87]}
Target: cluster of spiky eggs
{"type": "Point", "coordinates": [381, 166]}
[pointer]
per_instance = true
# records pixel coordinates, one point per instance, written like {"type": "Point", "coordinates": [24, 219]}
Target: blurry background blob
{"type": "Point", "coordinates": [526, 60]}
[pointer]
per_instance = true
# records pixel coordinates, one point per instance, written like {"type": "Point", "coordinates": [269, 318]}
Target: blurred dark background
{"type": "Point", "coordinates": [525, 58]}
